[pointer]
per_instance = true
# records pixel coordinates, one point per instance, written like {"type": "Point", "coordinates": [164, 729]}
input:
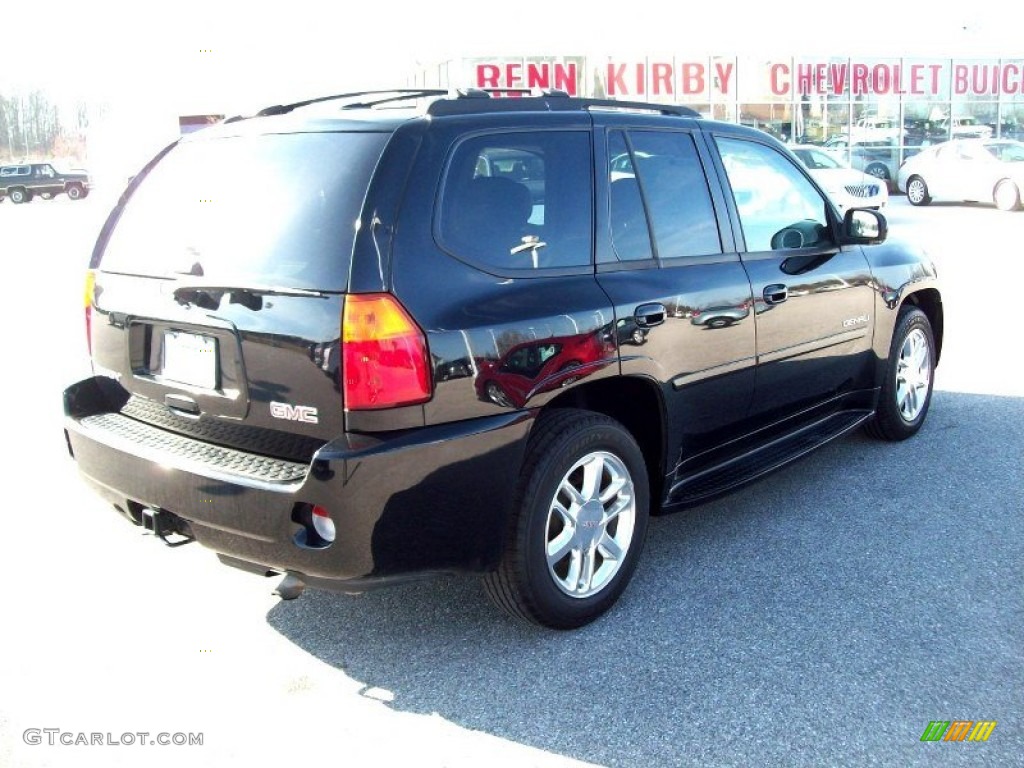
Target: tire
{"type": "Point", "coordinates": [910, 374]}
{"type": "Point", "coordinates": [1006, 196]}
{"type": "Point", "coordinates": [593, 554]}
{"type": "Point", "coordinates": [19, 196]}
{"type": "Point", "coordinates": [917, 191]}
{"type": "Point", "coordinates": [878, 170]}
{"type": "Point", "coordinates": [75, 192]}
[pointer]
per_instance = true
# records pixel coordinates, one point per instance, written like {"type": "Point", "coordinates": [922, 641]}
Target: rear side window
{"type": "Point", "coordinates": [516, 201]}
{"type": "Point", "coordinates": [276, 210]}
{"type": "Point", "coordinates": [675, 192]}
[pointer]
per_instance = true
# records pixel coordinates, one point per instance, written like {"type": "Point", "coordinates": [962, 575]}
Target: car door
{"type": "Point", "coordinates": [44, 180]}
{"type": "Point", "coordinates": [813, 300]}
{"type": "Point", "coordinates": [683, 305]}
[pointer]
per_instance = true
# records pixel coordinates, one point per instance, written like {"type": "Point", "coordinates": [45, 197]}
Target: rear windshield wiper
{"type": "Point", "coordinates": [209, 295]}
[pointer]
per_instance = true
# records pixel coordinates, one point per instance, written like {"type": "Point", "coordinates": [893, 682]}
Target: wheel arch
{"type": "Point", "coordinates": [637, 404]}
{"type": "Point", "coordinates": [929, 301]}
{"type": "Point", "coordinates": [1007, 180]}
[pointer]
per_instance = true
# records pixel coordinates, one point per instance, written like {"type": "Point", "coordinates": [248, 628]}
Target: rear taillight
{"type": "Point", "coordinates": [90, 291]}
{"type": "Point", "coordinates": [384, 354]}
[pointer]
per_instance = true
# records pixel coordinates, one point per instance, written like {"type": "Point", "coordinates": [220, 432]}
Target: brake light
{"type": "Point", "coordinates": [384, 354]}
{"type": "Point", "coordinates": [90, 294]}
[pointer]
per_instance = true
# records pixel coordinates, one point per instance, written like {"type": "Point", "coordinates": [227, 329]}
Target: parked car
{"type": "Point", "coordinates": [874, 160]}
{"type": "Point", "coordinates": [963, 127]}
{"type": "Point", "coordinates": [309, 398]}
{"type": "Point", "coordinates": [975, 170]}
{"type": "Point", "coordinates": [23, 182]}
{"type": "Point", "coordinates": [847, 187]}
{"type": "Point", "coordinates": [874, 130]}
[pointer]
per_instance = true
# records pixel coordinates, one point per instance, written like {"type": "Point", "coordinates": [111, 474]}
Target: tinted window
{"type": "Point", "coordinates": [778, 206]}
{"type": "Point", "coordinates": [676, 193]}
{"type": "Point", "coordinates": [519, 200]}
{"type": "Point", "coordinates": [276, 209]}
{"type": "Point", "coordinates": [630, 236]}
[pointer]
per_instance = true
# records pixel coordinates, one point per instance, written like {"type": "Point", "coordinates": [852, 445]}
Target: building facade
{"type": "Point", "coordinates": [875, 111]}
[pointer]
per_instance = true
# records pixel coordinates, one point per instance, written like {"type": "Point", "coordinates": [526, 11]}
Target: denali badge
{"type": "Point", "coordinates": [855, 321]}
{"type": "Point", "coordinates": [294, 412]}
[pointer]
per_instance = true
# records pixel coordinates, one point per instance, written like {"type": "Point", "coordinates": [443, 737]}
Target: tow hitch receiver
{"type": "Point", "coordinates": [170, 528]}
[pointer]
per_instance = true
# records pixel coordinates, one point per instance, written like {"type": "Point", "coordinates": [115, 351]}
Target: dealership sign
{"type": "Point", "coordinates": [698, 78]}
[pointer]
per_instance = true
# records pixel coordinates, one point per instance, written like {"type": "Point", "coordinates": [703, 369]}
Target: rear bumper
{"type": "Point", "coordinates": [425, 500]}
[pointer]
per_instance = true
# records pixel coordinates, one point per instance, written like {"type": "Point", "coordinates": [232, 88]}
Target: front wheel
{"type": "Point", "coordinates": [1006, 196]}
{"type": "Point", "coordinates": [75, 192]}
{"type": "Point", "coordinates": [577, 524]}
{"type": "Point", "coordinates": [878, 170]}
{"type": "Point", "coordinates": [910, 372]}
{"type": "Point", "coordinates": [917, 191]}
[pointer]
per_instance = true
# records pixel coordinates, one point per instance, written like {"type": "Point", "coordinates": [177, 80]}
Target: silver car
{"type": "Point", "coordinates": [978, 170]}
{"type": "Point", "coordinates": [847, 187]}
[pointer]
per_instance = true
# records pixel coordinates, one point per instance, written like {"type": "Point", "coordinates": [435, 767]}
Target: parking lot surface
{"type": "Point", "coordinates": [824, 616]}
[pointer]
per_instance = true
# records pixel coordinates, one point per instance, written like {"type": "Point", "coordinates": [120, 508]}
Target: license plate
{"type": "Point", "coordinates": [190, 359]}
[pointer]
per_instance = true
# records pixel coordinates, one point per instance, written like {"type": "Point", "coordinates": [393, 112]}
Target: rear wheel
{"type": "Point", "coordinates": [19, 195]}
{"type": "Point", "coordinates": [578, 522]}
{"type": "Point", "coordinates": [910, 371]}
{"type": "Point", "coordinates": [917, 191]}
{"type": "Point", "coordinates": [1006, 196]}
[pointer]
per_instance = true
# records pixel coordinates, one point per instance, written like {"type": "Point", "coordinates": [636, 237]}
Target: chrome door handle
{"type": "Point", "coordinates": [650, 315]}
{"type": "Point", "coordinates": [776, 293]}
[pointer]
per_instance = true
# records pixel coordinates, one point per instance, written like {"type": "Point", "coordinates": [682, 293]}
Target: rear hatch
{"type": "Point", "coordinates": [218, 292]}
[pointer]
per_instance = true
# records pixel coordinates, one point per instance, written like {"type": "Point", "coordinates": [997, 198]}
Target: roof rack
{"type": "Point", "coordinates": [477, 100]}
{"type": "Point", "coordinates": [399, 94]}
{"type": "Point", "coordinates": [472, 100]}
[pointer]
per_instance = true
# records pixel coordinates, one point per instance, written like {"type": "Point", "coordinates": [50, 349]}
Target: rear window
{"type": "Point", "coordinates": [277, 210]}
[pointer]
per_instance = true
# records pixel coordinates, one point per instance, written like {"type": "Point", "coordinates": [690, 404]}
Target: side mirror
{"type": "Point", "coordinates": [864, 227]}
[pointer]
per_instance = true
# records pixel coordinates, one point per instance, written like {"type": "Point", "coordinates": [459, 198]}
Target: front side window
{"type": "Point", "coordinates": [516, 201]}
{"type": "Point", "coordinates": [778, 207]}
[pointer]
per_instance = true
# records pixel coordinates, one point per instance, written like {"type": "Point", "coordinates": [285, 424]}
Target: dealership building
{"type": "Point", "coordinates": [874, 109]}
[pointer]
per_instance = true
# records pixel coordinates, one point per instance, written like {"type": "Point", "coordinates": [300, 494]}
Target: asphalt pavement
{"type": "Point", "coordinates": [821, 617]}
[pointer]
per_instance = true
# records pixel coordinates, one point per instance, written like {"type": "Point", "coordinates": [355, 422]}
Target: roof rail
{"type": "Point", "coordinates": [452, 101]}
{"type": "Point", "coordinates": [400, 94]}
{"type": "Point", "coordinates": [548, 101]}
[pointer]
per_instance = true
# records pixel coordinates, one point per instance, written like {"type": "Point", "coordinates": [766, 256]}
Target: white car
{"type": "Point", "coordinates": [978, 170]}
{"type": "Point", "coordinates": [848, 188]}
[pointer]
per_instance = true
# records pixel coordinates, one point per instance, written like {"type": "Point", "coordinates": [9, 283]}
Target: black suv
{"type": "Point", "coordinates": [23, 182]}
{"type": "Point", "coordinates": [303, 326]}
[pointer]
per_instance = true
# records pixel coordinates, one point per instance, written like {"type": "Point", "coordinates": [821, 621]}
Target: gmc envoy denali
{"type": "Point", "coordinates": [369, 337]}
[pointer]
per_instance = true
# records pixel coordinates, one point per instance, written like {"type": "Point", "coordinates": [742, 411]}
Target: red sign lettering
{"type": "Point", "coordinates": [661, 78]}
{"type": "Point", "coordinates": [779, 76]}
{"type": "Point", "coordinates": [693, 78]}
